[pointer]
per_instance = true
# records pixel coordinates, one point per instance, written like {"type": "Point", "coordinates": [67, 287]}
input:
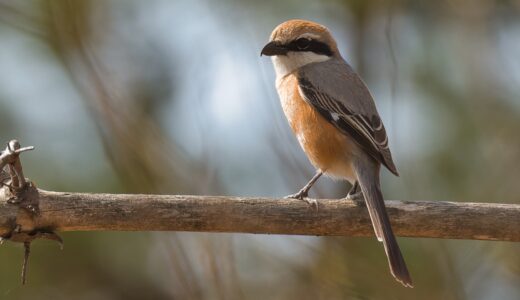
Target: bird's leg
{"type": "Point", "coordinates": [355, 194]}
{"type": "Point", "coordinates": [304, 192]}
{"type": "Point", "coordinates": [355, 191]}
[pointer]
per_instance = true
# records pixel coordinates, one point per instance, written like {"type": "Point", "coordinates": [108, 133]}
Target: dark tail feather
{"type": "Point", "coordinates": [368, 178]}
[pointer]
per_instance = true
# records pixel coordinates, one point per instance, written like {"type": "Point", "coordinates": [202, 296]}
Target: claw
{"type": "Point", "coordinates": [304, 192]}
{"type": "Point", "coordinates": [356, 195]}
{"type": "Point", "coordinates": [303, 196]}
{"type": "Point", "coordinates": [357, 198]}
{"type": "Point", "coordinates": [300, 195]}
{"type": "Point", "coordinates": [312, 203]}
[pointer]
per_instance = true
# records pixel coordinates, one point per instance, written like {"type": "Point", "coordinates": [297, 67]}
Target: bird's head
{"type": "Point", "coordinates": [296, 43]}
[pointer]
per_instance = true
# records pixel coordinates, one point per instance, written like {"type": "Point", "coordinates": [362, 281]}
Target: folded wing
{"type": "Point", "coordinates": [342, 98]}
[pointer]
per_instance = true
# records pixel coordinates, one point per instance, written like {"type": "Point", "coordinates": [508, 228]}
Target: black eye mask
{"type": "Point", "coordinates": [309, 45]}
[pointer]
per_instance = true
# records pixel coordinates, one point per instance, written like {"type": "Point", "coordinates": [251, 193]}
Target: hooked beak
{"type": "Point", "coordinates": [274, 48]}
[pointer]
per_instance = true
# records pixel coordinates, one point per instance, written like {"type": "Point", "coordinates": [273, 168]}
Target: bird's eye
{"type": "Point", "coordinates": [303, 43]}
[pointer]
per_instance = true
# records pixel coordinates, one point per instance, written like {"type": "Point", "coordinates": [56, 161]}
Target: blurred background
{"type": "Point", "coordinates": [92, 83]}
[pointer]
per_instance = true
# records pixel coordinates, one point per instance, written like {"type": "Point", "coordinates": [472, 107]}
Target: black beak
{"type": "Point", "coordinates": [274, 48]}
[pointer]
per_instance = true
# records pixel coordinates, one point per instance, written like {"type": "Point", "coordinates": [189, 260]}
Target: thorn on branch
{"type": "Point", "coordinates": [26, 197]}
{"type": "Point", "coordinates": [10, 158]}
{"type": "Point", "coordinates": [27, 251]}
{"type": "Point", "coordinates": [27, 238]}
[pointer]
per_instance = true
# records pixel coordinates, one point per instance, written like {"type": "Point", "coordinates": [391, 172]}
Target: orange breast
{"type": "Point", "coordinates": [327, 148]}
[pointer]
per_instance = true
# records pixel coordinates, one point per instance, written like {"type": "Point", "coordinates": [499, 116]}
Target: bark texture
{"type": "Point", "coordinates": [120, 212]}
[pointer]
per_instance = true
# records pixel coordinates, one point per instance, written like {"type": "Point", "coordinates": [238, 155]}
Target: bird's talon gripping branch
{"type": "Point", "coordinates": [301, 195]}
{"type": "Point", "coordinates": [313, 203]}
{"type": "Point", "coordinates": [357, 199]}
{"type": "Point", "coordinates": [359, 202]}
{"type": "Point", "coordinates": [304, 192]}
{"type": "Point", "coordinates": [356, 195]}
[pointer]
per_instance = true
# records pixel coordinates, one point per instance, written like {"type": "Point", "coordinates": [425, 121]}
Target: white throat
{"type": "Point", "coordinates": [285, 64]}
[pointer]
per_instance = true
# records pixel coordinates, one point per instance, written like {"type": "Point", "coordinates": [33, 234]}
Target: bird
{"type": "Point", "coordinates": [334, 118]}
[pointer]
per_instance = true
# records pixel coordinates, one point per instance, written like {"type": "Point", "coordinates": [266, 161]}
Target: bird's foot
{"type": "Point", "coordinates": [300, 195]}
{"type": "Point", "coordinates": [303, 196]}
{"type": "Point", "coordinates": [357, 198]}
{"type": "Point", "coordinates": [313, 203]}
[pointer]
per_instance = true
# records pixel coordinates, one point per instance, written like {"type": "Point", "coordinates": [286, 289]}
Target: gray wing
{"type": "Point", "coordinates": [341, 97]}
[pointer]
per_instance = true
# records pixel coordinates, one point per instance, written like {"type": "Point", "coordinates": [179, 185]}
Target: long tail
{"type": "Point", "coordinates": [367, 172]}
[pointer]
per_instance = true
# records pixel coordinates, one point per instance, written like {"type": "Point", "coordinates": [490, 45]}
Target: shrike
{"type": "Point", "coordinates": [335, 120]}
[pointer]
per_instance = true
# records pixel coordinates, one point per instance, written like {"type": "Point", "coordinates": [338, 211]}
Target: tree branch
{"type": "Point", "coordinates": [28, 213]}
{"type": "Point", "coordinates": [100, 212]}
